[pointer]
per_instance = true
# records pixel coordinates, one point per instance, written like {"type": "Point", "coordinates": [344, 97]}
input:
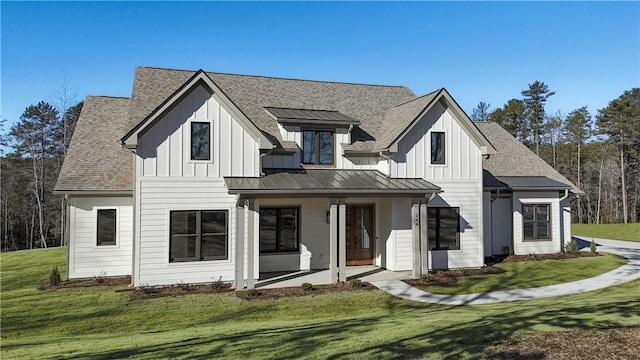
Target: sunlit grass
{"type": "Point", "coordinates": [98, 323]}
{"type": "Point", "coordinates": [526, 274]}
{"type": "Point", "coordinates": [629, 232]}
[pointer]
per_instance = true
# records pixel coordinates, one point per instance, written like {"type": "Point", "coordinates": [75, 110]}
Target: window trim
{"type": "Point", "coordinates": [198, 258]}
{"type": "Point", "coordinates": [437, 240]}
{"type": "Point", "coordinates": [444, 148]}
{"type": "Point", "coordinates": [317, 146]}
{"type": "Point", "coordinates": [298, 208]}
{"type": "Point", "coordinates": [210, 124]}
{"type": "Point", "coordinates": [116, 224]}
{"type": "Point", "coordinates": [535, 222]}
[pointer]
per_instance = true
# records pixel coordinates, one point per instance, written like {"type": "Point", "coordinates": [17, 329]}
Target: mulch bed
{"type": "Point", "coordinates": [81, 283]}
{"type": "Point", "coordinates": [150, 292]}
{"type": "Point", "coordinates": [297, 291]}
{"type": "Point", "coordinates": [447, 277]}
{"type": "Point", "coordinates": [535, 257]}
{"type": "Point", "coordinates": [615, 344]}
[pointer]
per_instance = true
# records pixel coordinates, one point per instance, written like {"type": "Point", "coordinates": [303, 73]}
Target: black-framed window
{"type": "Point", "coordinates": [444, 228]}
{"type": "Point", "coordinates": [197, 235]}
{"type": "Point", "coordinates": [106, 227]}
{"type": "Point", "coordinates": [279, 229]}
{"type": "Point", "coordinates": [317, 147]}
{"type": "Point", "coordinates": [200, 140]}
{"type": "Point", "coordinates": [438, 147]}
{"type": "Point", "coordinates": [536, 221]}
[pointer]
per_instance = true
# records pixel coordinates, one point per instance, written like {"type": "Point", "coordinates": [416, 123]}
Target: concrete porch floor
{"type": "Point", "coordinates": [366, 273]}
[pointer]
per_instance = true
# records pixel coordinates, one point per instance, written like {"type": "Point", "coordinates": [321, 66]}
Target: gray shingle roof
{"type": "Point", "coordinates": [95, 160]}
{"type": "Point", "coordinates": [514, 159]}
{"type": "Point", "coordinates": [327, 181]}
{"type": "Point", "coordinates": [366, 103]}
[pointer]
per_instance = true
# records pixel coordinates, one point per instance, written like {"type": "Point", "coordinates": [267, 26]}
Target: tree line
{"type": "Point", "coordinates": [601, 157]}
{"type": "Point", "coordinates": [30, 215]}
{"type": "Point", "coordinates": [600, 154]}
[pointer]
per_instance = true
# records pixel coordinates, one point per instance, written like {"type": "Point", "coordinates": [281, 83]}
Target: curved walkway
{"type": "Point", "coordinates": [623, 274]}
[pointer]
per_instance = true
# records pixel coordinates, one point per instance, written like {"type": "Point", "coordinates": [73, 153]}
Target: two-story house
{"type": "Point", "coordinates": [205, 175]}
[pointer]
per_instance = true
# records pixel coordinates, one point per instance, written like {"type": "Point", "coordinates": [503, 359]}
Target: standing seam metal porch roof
{"type": "Point", "coordinates": [326, 182]}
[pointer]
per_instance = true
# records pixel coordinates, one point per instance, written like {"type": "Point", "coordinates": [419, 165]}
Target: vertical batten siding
{"type": "Point", "coordinates": [157, 198]}
{"type": "Point", "coordinates": [164, 149]}
{"type": "Point", "coordinates": [460, 179]}
{"type": "Point", "coordinates": [86, 258]}
{"type": "Point", "coordinates": [522, 247]}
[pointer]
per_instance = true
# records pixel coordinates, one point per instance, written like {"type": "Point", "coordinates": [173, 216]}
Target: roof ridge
{"type": "Point", "coordinates": [277, 78]}
{"type": "Point", "coordinates": [109, 97]}
{"type": "Point", "coordinates": [418, 97]}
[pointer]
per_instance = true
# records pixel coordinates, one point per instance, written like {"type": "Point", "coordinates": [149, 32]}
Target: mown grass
{"type": "Point", "coordinates": [629, 232]}
{"type": "Point", "coordinates": [526, 274]}
{"type": "Point", "coordinates": [98, 323]}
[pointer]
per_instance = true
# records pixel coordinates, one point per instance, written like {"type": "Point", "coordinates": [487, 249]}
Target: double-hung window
{"type": "Point", "coordinates": [198, 235]}
{"type": "Point", "coordinates": [444, 228]}
{"type": "Point", "coordinates": [106, 227]}
{"type": "Point", "coordinates": [438, 148]}
{"type": "Point", "coordinates": [279, 229]}
{"type": "Point", "coordinates": [200, 140]}
{"type": "Point", "coordinates": [536, 221]}
{"type": "Point", "coordinates": [317, 147]}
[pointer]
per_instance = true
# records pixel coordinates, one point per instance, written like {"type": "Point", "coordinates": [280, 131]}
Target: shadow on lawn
{"type": "Point", "coordinates": [469, 338]}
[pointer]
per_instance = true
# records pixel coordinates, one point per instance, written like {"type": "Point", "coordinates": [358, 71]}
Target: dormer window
{"type": "Point", "coordinates": [317, 147]}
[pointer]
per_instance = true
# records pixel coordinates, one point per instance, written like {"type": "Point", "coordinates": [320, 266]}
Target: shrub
{"type": "Point", "coordinates": [100, 277]}
{"type": "Point", "coordinates": [592, 247]}
{"type": "Point", "coordinates": [218, 284]}
{"type": "Point", "coordinates": [306, 286]}
{"type": "Point", "coordinates": [507, 250]}
{"type": "Point", "coordinates": [54, 276]}
{"type": "Point", "coordinates": [355, 283]}
{"type": "Point", "coordinates": [427, 277]}
{"type": "Point", "coordinates": [571, 248]}
{"type": "Point", "coordinates": [253, 292]}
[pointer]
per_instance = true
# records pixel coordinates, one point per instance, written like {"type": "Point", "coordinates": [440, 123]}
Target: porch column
{"type": "Point", "coordinates": [342, 240]}
{"type": "Point", "coordinates": [415, 237]}
{"type": "Point", "coordinates": [424, 238]}
{"type": "Point", "coordinates": [251, 244]}
{"type": "Point", "coordinates": [239, 258]}
{"type": "Point", "coordinates": [333, 240]}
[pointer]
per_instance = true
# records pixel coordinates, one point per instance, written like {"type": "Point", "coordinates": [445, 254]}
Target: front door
{"type": "Point", "coordinates": [360, 235]}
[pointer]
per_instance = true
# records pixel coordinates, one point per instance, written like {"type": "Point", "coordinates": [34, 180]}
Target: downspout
{"type": "Point", "coordinates": [566, 195]}
{"type": "Point", "coordinates": [134, 206]}
{"type": "Point", "coordinates": [67, 232]}
{"type": "Point", "coordinates": [491, 217]}
{"type": "Point", "coordinates": [388, 162]}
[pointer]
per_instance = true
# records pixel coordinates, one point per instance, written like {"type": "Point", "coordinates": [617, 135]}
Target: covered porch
{"type": "Point", "coordinates": [339, 218]}
{"type": "Point", "coordinates": [366, 273]}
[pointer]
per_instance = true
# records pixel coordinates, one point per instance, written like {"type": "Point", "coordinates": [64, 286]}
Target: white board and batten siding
{"type": "Point", "coordinates": [524, 247]}
{"type": "Point", "coordinates": [168, 180]}
{"type": "Point", "coordinates": [86, 258]}
{"type": "Point", "coordinates": [460, 179]}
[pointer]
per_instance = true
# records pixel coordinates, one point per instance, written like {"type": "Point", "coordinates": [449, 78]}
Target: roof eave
{"type": "Point", "coordinates": [130, 140]}
{"type": "Point", "coordinates": [94, 192]}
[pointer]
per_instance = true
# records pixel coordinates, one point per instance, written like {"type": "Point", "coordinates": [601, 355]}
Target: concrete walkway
{"type": "Point", "coordinates": [623, 274]}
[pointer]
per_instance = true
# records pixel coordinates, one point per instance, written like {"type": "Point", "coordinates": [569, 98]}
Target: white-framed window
{"type": "Point", "coordinates": [106, 227]}
{"type": "Point", "coordinates": [200, 141]}
{"type": "Point", "coordinates": [536, 222]}
{"type": "Point", "coordinates": [438, 148]}
{"type": "Point", "coordinates": [198, 235]}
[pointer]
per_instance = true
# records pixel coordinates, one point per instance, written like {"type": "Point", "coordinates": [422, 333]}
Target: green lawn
{"type": "Point", "coordinates": [630, 232]}
{"type": "Point", "coordinates": [519, 275]}
{"type": "Point", "coordinates": [98, 323]}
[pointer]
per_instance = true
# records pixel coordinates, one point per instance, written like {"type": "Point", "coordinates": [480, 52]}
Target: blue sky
{"type": "Point", "coordinates": [588, 52]}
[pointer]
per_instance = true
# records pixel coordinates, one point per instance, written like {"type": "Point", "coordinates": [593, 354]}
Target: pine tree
{"type": "Point", "coordinates": [534, 98]}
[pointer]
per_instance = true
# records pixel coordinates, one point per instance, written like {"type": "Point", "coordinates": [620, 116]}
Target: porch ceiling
{"type": "Point", "coordinates": [327, 182]}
